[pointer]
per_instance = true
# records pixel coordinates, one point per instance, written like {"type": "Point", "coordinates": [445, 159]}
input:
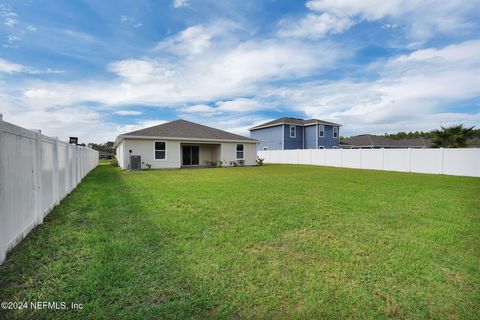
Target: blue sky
{"type": "Point", "coordinates": [95, 69]}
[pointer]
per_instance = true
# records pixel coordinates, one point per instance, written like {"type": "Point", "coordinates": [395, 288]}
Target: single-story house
{"type": "Point", "coordinates": [103, 155]}
{"type": "Point", "coordinates": [369, 141]}
{"type": "Point", "coordinates": [182, 143]}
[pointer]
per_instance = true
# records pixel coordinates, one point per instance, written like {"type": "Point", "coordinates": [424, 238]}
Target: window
{"type": "Point", "coordinates": [160, 150]}
{"type": "Point", "coordinates": [335, 147]}
{"type": "Point", "coordinates": [321, 147]}
{"type": "Point", "coordinates": [293, 131]}
{"type": "Point", "coordinates": [321, 130]}
{"type": "Point", "coordinates": [335, 132]}
{"type": "Point", "coordinates": [240, 154]}
{"type": "Point", "coordinates": [265, 148]}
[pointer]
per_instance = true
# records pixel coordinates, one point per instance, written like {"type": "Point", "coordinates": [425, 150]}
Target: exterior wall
{"type": "Point", "coordinates": [310, 137]}
{"type": "Point", "coordinates": [145, 149]}
{"type": "Point", "coordinates": [292, 143]}
{"type": "Point", "coordinates": [270, 137]}
{"type": "Point", "coordinates": [328, 141]}
{"type": "Point", "coordinates": [121, 155]}
{"type": "Point", "coordinates": [229, 152]}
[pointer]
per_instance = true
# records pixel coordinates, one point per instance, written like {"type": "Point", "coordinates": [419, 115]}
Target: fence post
{"type": "Point", "coordinates": [67, 169]}
{"type": "Point", "coordinates": [56, 175]}
{"type": "Point", "coordinates": [37, 177]}
{"type": "Point", "coordinates": [409, 160]}
{"type": "Point", "coordinates": [383, 158]}
{"type": "Point", "coordinates": [341, 158]}
{"type": "Point", "coordinates": [442, 159]}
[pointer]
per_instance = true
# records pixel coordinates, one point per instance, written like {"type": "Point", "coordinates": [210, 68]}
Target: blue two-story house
{"type": "Point", "coordinates": [292, 133]}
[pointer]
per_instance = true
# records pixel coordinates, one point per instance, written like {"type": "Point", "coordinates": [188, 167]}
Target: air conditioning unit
{"type": "Point", "coordinates": [135, 162]}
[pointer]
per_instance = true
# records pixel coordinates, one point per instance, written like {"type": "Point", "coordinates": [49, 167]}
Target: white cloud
{"type": "Point", "coordinates": [193, 40]}
{"type": "Point", "coordinates": [412, 92]}
{"type": "Point", "coordinates": [315, 26]}
{"type": "Point", "coordinates": [10, 67]}
{"type": "Point", "coordinates": [128, 113]}
{"type": "Point", "coordinates": [239, 105]}
{"type": "Point", "coordinates": [219, 73]}
{"type": "Point", "coordinates": [422, 18]}
{"type": "Point", "coordinates": [198, 108]}
{"type": "Point", "coordinates": [181, 3]}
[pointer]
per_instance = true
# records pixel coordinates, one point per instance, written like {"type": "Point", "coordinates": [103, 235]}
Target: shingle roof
{"type": "Point", "coordinates": [187, 130]}
{"type": "Point", "coordinates": [295, 121]}
{"type": "Point", "coordinates": [369, 140]}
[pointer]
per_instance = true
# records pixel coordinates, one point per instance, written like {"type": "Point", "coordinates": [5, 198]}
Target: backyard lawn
{"type": "Point", "coordinates": [278, 241]}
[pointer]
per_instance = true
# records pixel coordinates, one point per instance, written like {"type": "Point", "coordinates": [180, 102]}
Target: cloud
{"type": "Point", "coordinates": [9, 17]}
{"type": "Point", "coordinates": [131, 21]}
{"type": "Point", "coordinates": [181, 3]}
{"type": "Point", "coordinates": [220, 72]}
{"type": "Point", "coordinates": [422, 19]}
{"type": "Point", "coordinates": [128, 113]}
{"type": "Point", "coordinates": [10, 67]}
{"type": "Point", "coordinates": [239, 105]}
{"type": "Point", "coordinates": [315, 26]}
{"type": "Point", "coordinates": [194, 40]}
{"type": "Point", "coordinates": [413, 91]}
{"type": "Point", "coordinates": [198, 108]}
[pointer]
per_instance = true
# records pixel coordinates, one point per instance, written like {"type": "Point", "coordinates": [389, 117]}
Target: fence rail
{"type": "Point", "coordinates": [460, 162]}
{"type": "Point", "coordinates": [36, 172]}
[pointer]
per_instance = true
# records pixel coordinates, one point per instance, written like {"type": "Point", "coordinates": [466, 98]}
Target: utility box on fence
{"type": "Point", "coordinates": [135, 163]}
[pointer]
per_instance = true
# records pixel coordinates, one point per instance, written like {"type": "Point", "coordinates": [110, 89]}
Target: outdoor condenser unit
{"type": "Point", "coordinates": [135, 162]}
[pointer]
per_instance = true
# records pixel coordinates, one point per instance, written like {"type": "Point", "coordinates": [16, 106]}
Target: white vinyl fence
{"type": "Point", "coordinates": [36, 172]}
{"type": "Point", "coordinates": [459, 162]}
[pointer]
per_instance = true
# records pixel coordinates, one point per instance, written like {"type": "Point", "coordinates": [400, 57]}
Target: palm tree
{"type": "Point", "coordinates": [451, 137]}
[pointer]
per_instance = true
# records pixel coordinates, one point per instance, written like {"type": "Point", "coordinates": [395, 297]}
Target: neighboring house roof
{"type": "Point", "coordinates": [369, 140]}
{"type": "Point", "coordinates": [184, 130]}
{"type": "Point", "coordinates": [104, 153]}
{"type": "Point", "coordinates": [293, 121]}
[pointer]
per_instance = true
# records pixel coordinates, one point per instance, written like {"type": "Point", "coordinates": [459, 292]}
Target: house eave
{"type": "Point", "coordinates": [120, 138]}
{"type": "Point", "coordinates": [296, 124]}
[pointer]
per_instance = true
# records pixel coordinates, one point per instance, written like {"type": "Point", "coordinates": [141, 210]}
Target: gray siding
{"type": "Point", "coordinates": [268, 137]}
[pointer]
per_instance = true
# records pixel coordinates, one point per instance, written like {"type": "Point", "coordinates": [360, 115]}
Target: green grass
{"type": "Point", "coordinates": [278, 241]}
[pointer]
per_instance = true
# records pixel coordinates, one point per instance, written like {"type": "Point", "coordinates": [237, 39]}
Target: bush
{"type": "Point", "coordinates": [241, 162]}
{"type": "Point", "coordinates": [114, 162]}
{"type": "Point", "coordinates": [260, 161]}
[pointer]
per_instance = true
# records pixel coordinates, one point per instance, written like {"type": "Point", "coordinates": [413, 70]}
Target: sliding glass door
{"type": "Point", "coordinates": [190, 155]}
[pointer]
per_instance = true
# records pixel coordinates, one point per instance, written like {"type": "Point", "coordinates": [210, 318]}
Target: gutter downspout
{"type": "Point", "coordinates": [316, 136]}
{"type": "Point", "coordinates": [283, 137]}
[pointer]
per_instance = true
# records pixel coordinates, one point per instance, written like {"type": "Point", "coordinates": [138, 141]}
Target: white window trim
{"type": "Point", "coordinates": [294, 132]}
{"type": "Point", "coordinates": [237, 144]}
{"type": "Point", "coordinates": [333, 132]}
{"type": "Point", "coordinates": [166, 154]}
{"type": "Point", "coordinates": [321, 131]}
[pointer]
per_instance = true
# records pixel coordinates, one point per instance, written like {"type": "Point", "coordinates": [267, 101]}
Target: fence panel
{"type": "Point", "coordinates": [372, 159]}
{"type": "Point", "coordinates": [464, 162]}
{"type": "Point", "coordinates": [36, 172]}
{"type": "Point", "coordinates": [461, 162]}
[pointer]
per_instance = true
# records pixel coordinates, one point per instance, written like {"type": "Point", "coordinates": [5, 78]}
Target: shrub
{"type": "Point", "coordinates": [212, 164]}
{"type": "Point", "coordinates": [241, 162]}
{"type": "Point", "coordinates": [114, 162]}
{"type": "Point", "coordinates": [260, 161]}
